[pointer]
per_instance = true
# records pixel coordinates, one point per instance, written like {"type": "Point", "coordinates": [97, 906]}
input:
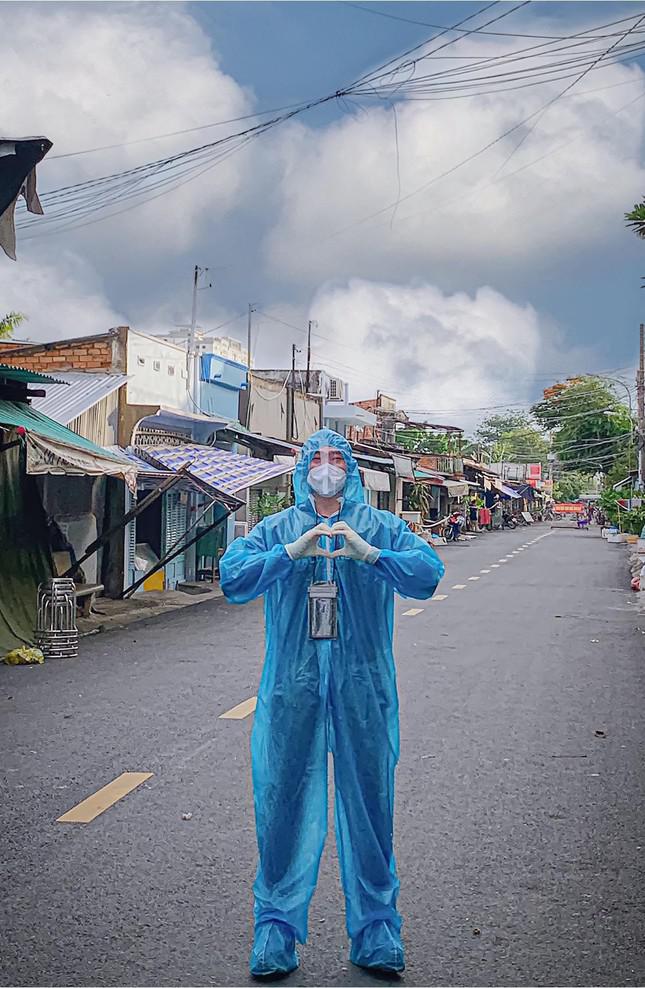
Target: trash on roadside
{"type": "Point", "coordinates": [595, 641]}
{"type": "Point", "coordinates": [600, 734]}
{"type": "Point", "coordinates": [24, 656]}
{"type": "Point", "coordinates": [476, 932]}
{"type": "Point", "coordinates": [186, 816]}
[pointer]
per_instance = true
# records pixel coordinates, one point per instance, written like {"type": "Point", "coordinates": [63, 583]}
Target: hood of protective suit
{"type": "Point", "coordinates": [353, 489]}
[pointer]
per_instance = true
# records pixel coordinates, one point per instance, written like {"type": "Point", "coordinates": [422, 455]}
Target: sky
{"type": "Point", "coordinates": [453, 267]}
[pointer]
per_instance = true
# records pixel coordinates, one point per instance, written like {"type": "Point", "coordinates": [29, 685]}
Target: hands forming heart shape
{"type": "Point", "coordinates": [353, 547]}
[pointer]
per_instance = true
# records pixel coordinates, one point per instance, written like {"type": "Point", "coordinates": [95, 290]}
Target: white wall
{"type": "Point", "coordinates": [270, 409]}
{"type": "Point", "coordinates": [156, 372]}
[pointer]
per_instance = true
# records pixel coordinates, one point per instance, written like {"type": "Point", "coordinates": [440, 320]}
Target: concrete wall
{"type": "Point", "coordinates": [270, 411]}
{"type": "Point", "coordinates": [157, 373]}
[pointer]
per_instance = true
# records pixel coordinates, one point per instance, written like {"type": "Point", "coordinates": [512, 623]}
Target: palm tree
{"type": "Point", "coordinates": [636, 219]}
{"type": "Point", "coordinates": [9, 323]}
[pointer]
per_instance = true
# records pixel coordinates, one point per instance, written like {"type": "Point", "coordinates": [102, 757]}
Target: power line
{"type": "Point", "coordinates": [559, 96]}
{"type": "Point", "coordinates": [113, 183]}
{"type": "Point", "coordinates": [395, 17]}
{"type": "Point", "coordinates": [175, 133]}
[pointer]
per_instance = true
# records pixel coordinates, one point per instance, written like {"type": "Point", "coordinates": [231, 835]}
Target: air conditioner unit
{"type": "Point", "coordinates": [335, 389]}
{"type": "Point", "coordinates": [241, 529]}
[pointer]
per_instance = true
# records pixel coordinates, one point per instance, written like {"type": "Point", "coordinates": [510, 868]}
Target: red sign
{"type": "Point", "coordinates": [569, 508]}
{"type": "Point", "coordinates": [533, 471]}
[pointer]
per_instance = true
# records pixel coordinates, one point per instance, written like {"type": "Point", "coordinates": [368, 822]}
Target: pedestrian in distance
{"type": "Point", "coordinates": [328, 568]}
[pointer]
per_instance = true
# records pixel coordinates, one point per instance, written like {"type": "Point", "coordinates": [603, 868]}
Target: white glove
{"type": "Point", "coordinates": [307, 544]}
{"type": "Point", "coordinates": [355, 547]}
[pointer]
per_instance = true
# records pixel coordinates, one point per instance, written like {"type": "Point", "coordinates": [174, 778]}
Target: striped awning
{"type": "Point", "coordinates": [219, 468]}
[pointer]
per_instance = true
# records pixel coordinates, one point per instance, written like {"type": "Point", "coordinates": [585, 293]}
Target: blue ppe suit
{"type": "Point", "coordinates": [317, 696]}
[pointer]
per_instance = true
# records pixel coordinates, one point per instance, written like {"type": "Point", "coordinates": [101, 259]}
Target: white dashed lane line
{"type": "Point", "coordinates": [242, 710]}
{"type": "Point", "coordinates": [459, 586]}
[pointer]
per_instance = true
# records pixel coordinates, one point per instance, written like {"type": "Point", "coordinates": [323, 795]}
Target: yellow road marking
{"type": "Point", "coordinates": [459, 586]}
{"type": "Point", "coordinates": [242, 710]}
{"type": "Point", "coordinates": [439, 596]}
{"type": "Point", "coordinates": [412, 612]}
{"type": "Point", "coordinates": [101, 801]}
{"type": "Point", "coordinates": [473, 577]}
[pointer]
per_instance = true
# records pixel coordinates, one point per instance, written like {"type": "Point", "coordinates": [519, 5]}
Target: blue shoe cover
{"type": "Point", "coordinates": [378, 946]}
{"type": "Point", "coordinates": [274, 950]}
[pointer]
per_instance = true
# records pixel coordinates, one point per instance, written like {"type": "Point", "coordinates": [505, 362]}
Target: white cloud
{"type": "Point", "coordinates": [97, 75]}
{"type": "Point", "coordinates": [61, 299]}
{"type": "Point", "coordinates": [89, 76]}
{"type": "Point", "coordinates": [101, 75]}
{"type": "Point", "coordinates": [565, 188]}
{"type": "Point", "coordinates": [439, 354]}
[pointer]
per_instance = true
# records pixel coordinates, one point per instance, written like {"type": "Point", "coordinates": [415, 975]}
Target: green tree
{"type": "Point", "coordinates": [623, 466]}
{"type": "Point", "coordinates": [9, 324]}
{"type": "Point", "coordinates": [571, 486]}
{"type": "Point", "coordinates": [636, 219]}
{"type": "Point", "coordinates": [590, 427]}
{"type": "Point", "coordinates": [512, 436]}
{"type": "Point", "coordinates": [422, 441]}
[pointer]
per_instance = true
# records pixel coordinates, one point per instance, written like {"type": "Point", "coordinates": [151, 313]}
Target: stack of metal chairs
{"type": "Point", "coordinates": [56, 631]}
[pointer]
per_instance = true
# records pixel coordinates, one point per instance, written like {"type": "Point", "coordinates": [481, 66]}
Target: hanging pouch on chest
{"type": "Point", "coordinates": [323, 610]}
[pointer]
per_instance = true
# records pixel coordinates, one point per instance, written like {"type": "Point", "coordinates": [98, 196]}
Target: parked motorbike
{"type": "Point", "coordinates": [508, 521]}
{"type": "Point", "coordinates": [453, 527]}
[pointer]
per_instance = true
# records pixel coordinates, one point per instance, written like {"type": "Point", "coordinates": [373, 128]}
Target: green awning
{"type": "Point", "coordinates": [53, 448]}
{"type": "Point", "coordinates": [24, 376]}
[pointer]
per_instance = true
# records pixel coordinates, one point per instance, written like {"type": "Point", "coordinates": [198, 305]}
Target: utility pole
{"type": "Point", "coordinates": [640, 391]}
{"type": "Point", "coordinates": [311, 323]}
{"type": "Point", "coordinates": [192, 362]}
{"type": "Point", "coordinates": [248, 335]}
{"type": "Point", "coordinates": [190, 349]}
{"type": "Point", "coordinates": [292, 390]}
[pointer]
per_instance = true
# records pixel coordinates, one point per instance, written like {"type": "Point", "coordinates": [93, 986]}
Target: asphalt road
{"type": "Point", "coordinates": [520, 830]}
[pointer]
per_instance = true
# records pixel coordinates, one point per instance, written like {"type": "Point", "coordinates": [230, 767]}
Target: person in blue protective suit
{"type": "Point", "coordinates": [334, 694]}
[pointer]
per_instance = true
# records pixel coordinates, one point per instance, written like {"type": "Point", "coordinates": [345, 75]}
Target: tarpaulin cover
{"type": "Point", "coordinates": [48, 456]}
{"type": "Point", "coordinates": [456, 488]}
{"type": "Point", "coordinates": [53, 448]}
{"type": "Point", "coordinates": [334, 694]}
{"type": "Point", "coordinates": [220, 468]}
{"type": "Point", "coordinates": [375, 480]}
{"type": "Point", "coordinates": [25, 560]}
{"type": "Point", "coordinates": [403, 466]}
{"type": "Point", "coordinates": [503, 489]}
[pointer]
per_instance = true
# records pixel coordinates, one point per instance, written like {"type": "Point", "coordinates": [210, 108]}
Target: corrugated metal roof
{"type": "Point", "coordinates": [14, 414]}
{"type": "Point", "coordinates": [24, 376]}
{"type": "Point", "coordinates": [76, 392]}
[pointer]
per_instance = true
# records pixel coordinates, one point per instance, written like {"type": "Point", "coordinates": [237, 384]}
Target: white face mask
{"type": "Point", "coordinates": [327, 479]}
